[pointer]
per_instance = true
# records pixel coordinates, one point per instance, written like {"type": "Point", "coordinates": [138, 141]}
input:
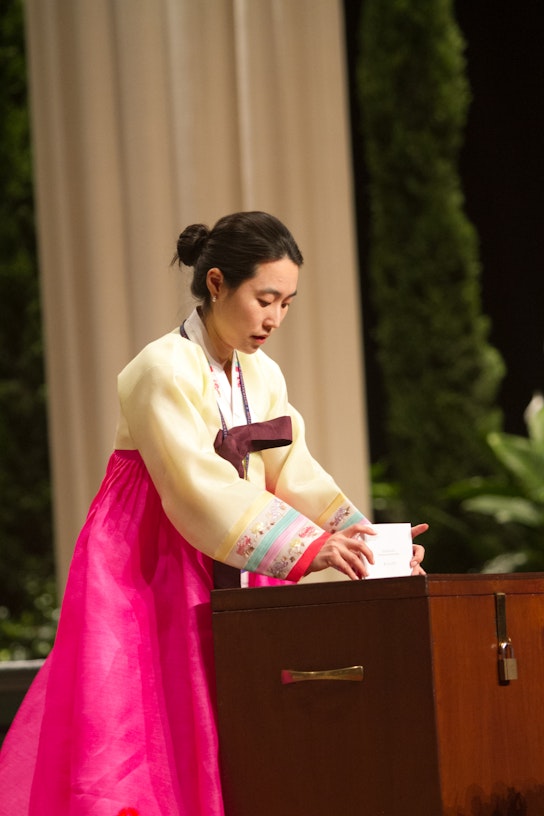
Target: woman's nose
{"type": "Point", "coordinates": [273, 317]}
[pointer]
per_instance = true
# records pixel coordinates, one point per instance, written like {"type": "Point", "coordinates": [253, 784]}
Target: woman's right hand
{"type": "Point", "coordinates": [343, 551]}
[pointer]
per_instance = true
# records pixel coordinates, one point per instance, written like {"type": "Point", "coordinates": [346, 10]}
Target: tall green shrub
{"type": "Point", "coordinates": [440, 374]}
{"type": "Point", "coordinates": [26, 556]}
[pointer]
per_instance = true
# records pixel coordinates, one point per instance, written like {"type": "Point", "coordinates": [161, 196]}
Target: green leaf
{"type": "Point", "coordinates": [534, 418]}
{"type": "Point", "coordinates": [507, 510]}
{"type": "Point", "coordinates": [524, 458]}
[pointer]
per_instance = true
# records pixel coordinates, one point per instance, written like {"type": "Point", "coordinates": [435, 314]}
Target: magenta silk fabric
{"type": "Point", "coordinates": [121, 718]}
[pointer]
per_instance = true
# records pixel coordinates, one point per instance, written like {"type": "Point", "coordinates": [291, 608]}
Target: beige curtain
{"type": "Point", "coordinates": [152, 114]}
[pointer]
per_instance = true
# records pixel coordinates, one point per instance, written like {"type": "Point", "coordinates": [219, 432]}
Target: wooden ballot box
{"type": "Point", "coordinates": [418, 696]}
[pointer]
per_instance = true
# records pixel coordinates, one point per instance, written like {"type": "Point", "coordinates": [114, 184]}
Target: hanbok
{"type": "Point", "coordinates": [120, 720]}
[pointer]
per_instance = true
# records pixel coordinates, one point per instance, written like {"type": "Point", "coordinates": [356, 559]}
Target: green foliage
{"type": "Point", "coordinates": [516, 501]}
{"type": "Point", "coordinates": [440, 374]}
{"type": "Point", "coordinates": [463, 541]}
{"type": "Point", "coordinates": [30, 633]}
{"type": "Point", "coordinates": [26, 557]}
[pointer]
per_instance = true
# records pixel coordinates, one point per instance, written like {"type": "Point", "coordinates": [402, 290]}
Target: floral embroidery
{"type": "Point", "coordinates": [247, 543]}
{"type": "Point", "coordinates": [346, 514]}
{"type": "Point", "coordinates": [238, 374]}
{"type": "Point", "coordinates": [283, 565]}
{"type": "Point", "coordinates": [280, 568]}
{"type": "Point", "coordinates": [309, 530]}
{"type": "Point", "coordinates": [285, 561]}
{"type": "Point", "coordinates": [340, 516]}
{"type": "Point", "coordinates": [245, 546]}
{"type": "Point", "coordinates": [215, 382]}
{"type": "Point", "coordinates": [276, 555]}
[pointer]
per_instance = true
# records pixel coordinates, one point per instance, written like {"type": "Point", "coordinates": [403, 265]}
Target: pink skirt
{"type": "Point", "coordinates": [120, 721]}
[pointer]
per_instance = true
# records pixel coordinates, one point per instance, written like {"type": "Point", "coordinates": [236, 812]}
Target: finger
{"type": "Point", "coordinates": [361, 547]}
{"type": "Point", "coordinates": [344, 567]}
{"type": "Point", "coordinates": [349, 562]}
{"type": "Point", "coordinates": [418, 529]}
{"type": "Point", "coordinates": [359, 529]}
{"type": "Point", "coordinates": [349, 571]}
{"type": "Point", "coordinates": [357, 561]}
{"type": "Point", "coordinates": [418, 555]}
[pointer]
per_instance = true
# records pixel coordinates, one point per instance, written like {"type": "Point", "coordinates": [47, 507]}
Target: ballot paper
{"type": "Point", "coordinates": [392, 548]}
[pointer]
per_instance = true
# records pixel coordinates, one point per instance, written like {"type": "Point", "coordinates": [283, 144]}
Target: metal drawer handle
{"type": "Point", "coordinates": [352, 673]}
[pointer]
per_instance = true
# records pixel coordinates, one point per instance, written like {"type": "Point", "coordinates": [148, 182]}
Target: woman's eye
{"type": "Point", "coordinates": [264, 302]}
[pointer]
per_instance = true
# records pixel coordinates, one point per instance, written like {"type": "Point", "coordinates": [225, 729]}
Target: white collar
{"type": "Point", "coordinates": [230, 400]}
{"type": "Point", "coordinates": [196, 331]}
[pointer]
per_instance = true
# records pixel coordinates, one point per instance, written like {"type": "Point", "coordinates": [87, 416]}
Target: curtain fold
{"type": "Point", "coordinates": [149, 115]}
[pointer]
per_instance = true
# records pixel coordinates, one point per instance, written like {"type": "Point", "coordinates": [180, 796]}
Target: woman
{"type": "Point", "coordinates": [210, 467]}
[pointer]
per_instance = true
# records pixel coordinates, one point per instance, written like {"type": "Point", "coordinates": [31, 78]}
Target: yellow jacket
{"type": "Point", "coordinates": [274, 521]}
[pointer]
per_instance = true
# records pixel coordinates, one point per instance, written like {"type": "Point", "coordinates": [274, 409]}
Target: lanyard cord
{"type": "Point", "coordinates": [238, 369]}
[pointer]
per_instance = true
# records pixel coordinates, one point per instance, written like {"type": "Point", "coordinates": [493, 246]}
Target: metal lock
{"type": "Point", "coordinates": [508, 665]}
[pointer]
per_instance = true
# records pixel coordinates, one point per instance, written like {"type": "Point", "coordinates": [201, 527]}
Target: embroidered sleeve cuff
{"type": "Point", "coordinates": [272, 540]}
{"type": "Point", "coordinates": [306, 559]}
{"type": "Point", "coordinates": [339, 515]}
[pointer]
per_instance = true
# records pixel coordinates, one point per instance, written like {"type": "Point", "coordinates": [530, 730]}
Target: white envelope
{"type": "Point", "coordinates": [392, 549]}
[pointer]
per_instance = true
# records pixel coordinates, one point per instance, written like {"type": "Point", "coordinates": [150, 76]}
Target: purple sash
{"type": "Point", "coordinates": [244, 439]}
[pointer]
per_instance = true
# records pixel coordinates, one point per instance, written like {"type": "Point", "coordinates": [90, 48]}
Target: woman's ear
{"type": "Point", "coordinates": [214, 282]}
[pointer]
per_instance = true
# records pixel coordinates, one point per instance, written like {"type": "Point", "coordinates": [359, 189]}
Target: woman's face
{"type": "Point", "coordinates": [245, 317]}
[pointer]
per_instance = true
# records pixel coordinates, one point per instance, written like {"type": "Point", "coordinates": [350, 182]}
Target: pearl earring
{"type": "Point", "coordinates": [214, 299]}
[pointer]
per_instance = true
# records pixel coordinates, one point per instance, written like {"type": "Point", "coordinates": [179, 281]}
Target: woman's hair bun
{"type": "Point", "coordinates": [191, 242]}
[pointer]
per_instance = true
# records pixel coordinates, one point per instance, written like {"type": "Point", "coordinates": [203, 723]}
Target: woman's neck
{"type": "Point", "coordinates": [227, 368]}
{"type": "Point", "coordinates": [221, 354]}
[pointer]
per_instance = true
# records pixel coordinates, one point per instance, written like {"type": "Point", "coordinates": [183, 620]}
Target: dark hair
{"type": "Point", "coordinates": [236, 245]}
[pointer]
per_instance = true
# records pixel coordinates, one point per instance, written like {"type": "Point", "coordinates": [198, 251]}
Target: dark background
{"type": "Point", "coordinates": [502, 174]}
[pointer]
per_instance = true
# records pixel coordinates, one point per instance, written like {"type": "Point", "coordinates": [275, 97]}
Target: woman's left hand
{"type": "Point", "coordinates": [418, 550]}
